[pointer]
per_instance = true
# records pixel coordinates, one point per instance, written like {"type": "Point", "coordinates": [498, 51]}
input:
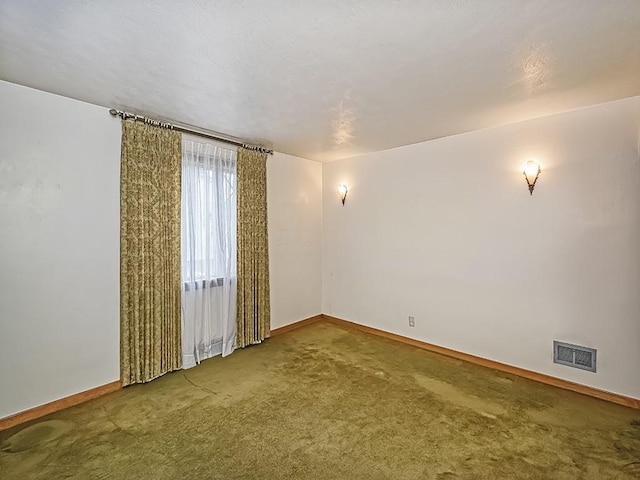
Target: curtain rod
{"type": "Point", "coordinates": [183, 129]}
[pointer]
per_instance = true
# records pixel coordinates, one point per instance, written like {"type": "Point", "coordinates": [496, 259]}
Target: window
{"type": "Point", "coordinates": [208, 214]}
{"type": "Point", "coordinates": [208, 229]}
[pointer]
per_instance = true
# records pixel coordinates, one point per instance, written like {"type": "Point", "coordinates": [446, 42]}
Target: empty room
{"type": "Point", "coordinates": [350, 239]}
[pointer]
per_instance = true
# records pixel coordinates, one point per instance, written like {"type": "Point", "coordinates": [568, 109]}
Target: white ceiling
{"type": "Point", "coordinates": [327, 79]}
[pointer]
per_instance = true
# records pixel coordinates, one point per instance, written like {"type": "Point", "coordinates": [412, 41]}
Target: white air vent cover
{"type": "Point", "coordinates": [574, 356]}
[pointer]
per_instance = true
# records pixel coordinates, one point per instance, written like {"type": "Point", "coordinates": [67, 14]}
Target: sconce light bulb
{"type": "Point", "coordinates": [531, 172]}
{"type": "Point", "coordinates": [343, 192]}
{"type": "Point", "coordinates": [531, 169]}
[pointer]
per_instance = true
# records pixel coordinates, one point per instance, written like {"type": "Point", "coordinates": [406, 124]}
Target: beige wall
{"type": "Point", "coordinates": [59, 247]}
{"type": "Point", "coordinates": [446, 231]}
{"type": "Point", "coordinates": [294, 190]}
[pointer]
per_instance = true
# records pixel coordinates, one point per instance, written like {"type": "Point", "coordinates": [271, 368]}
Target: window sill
{"type": "Point", "coordinates": [203, 284]}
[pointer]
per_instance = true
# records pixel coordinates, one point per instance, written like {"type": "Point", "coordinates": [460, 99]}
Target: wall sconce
{"type": "Point", "coordinates": [342, 189]}
{"type": "Point", "coordinates": [531, 173]}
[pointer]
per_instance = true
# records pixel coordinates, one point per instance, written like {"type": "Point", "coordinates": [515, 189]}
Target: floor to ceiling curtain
{"type": "Point", "coordinates": [208, 251]}
{"type": "Point", "coordinates": [254, 314]}
{"type": "Point", "coordinates": [150, 329]}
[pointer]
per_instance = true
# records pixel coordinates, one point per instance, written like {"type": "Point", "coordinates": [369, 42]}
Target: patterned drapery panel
{"type": "Point", "coordinates": [150, 321]}
{"type": "Point", "coordinates": [254, 311]}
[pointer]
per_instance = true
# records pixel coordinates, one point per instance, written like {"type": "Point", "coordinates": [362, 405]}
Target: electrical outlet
{"type": "Point", "coordinates": [412, 321]}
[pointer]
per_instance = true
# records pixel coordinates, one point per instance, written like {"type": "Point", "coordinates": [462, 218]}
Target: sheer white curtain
{"type": "Point", "coordinates": [208, 251]}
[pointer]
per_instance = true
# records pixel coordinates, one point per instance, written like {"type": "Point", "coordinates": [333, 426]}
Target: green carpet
{"type": "Point", "coordinates": [325, 402]}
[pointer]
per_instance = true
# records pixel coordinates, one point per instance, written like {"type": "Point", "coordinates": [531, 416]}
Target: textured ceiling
{"type": "Point", "coordinates": [330, 79]}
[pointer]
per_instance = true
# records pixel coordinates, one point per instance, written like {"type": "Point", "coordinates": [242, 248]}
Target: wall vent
{"type": "Point", "coordinates": [574, 356]}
